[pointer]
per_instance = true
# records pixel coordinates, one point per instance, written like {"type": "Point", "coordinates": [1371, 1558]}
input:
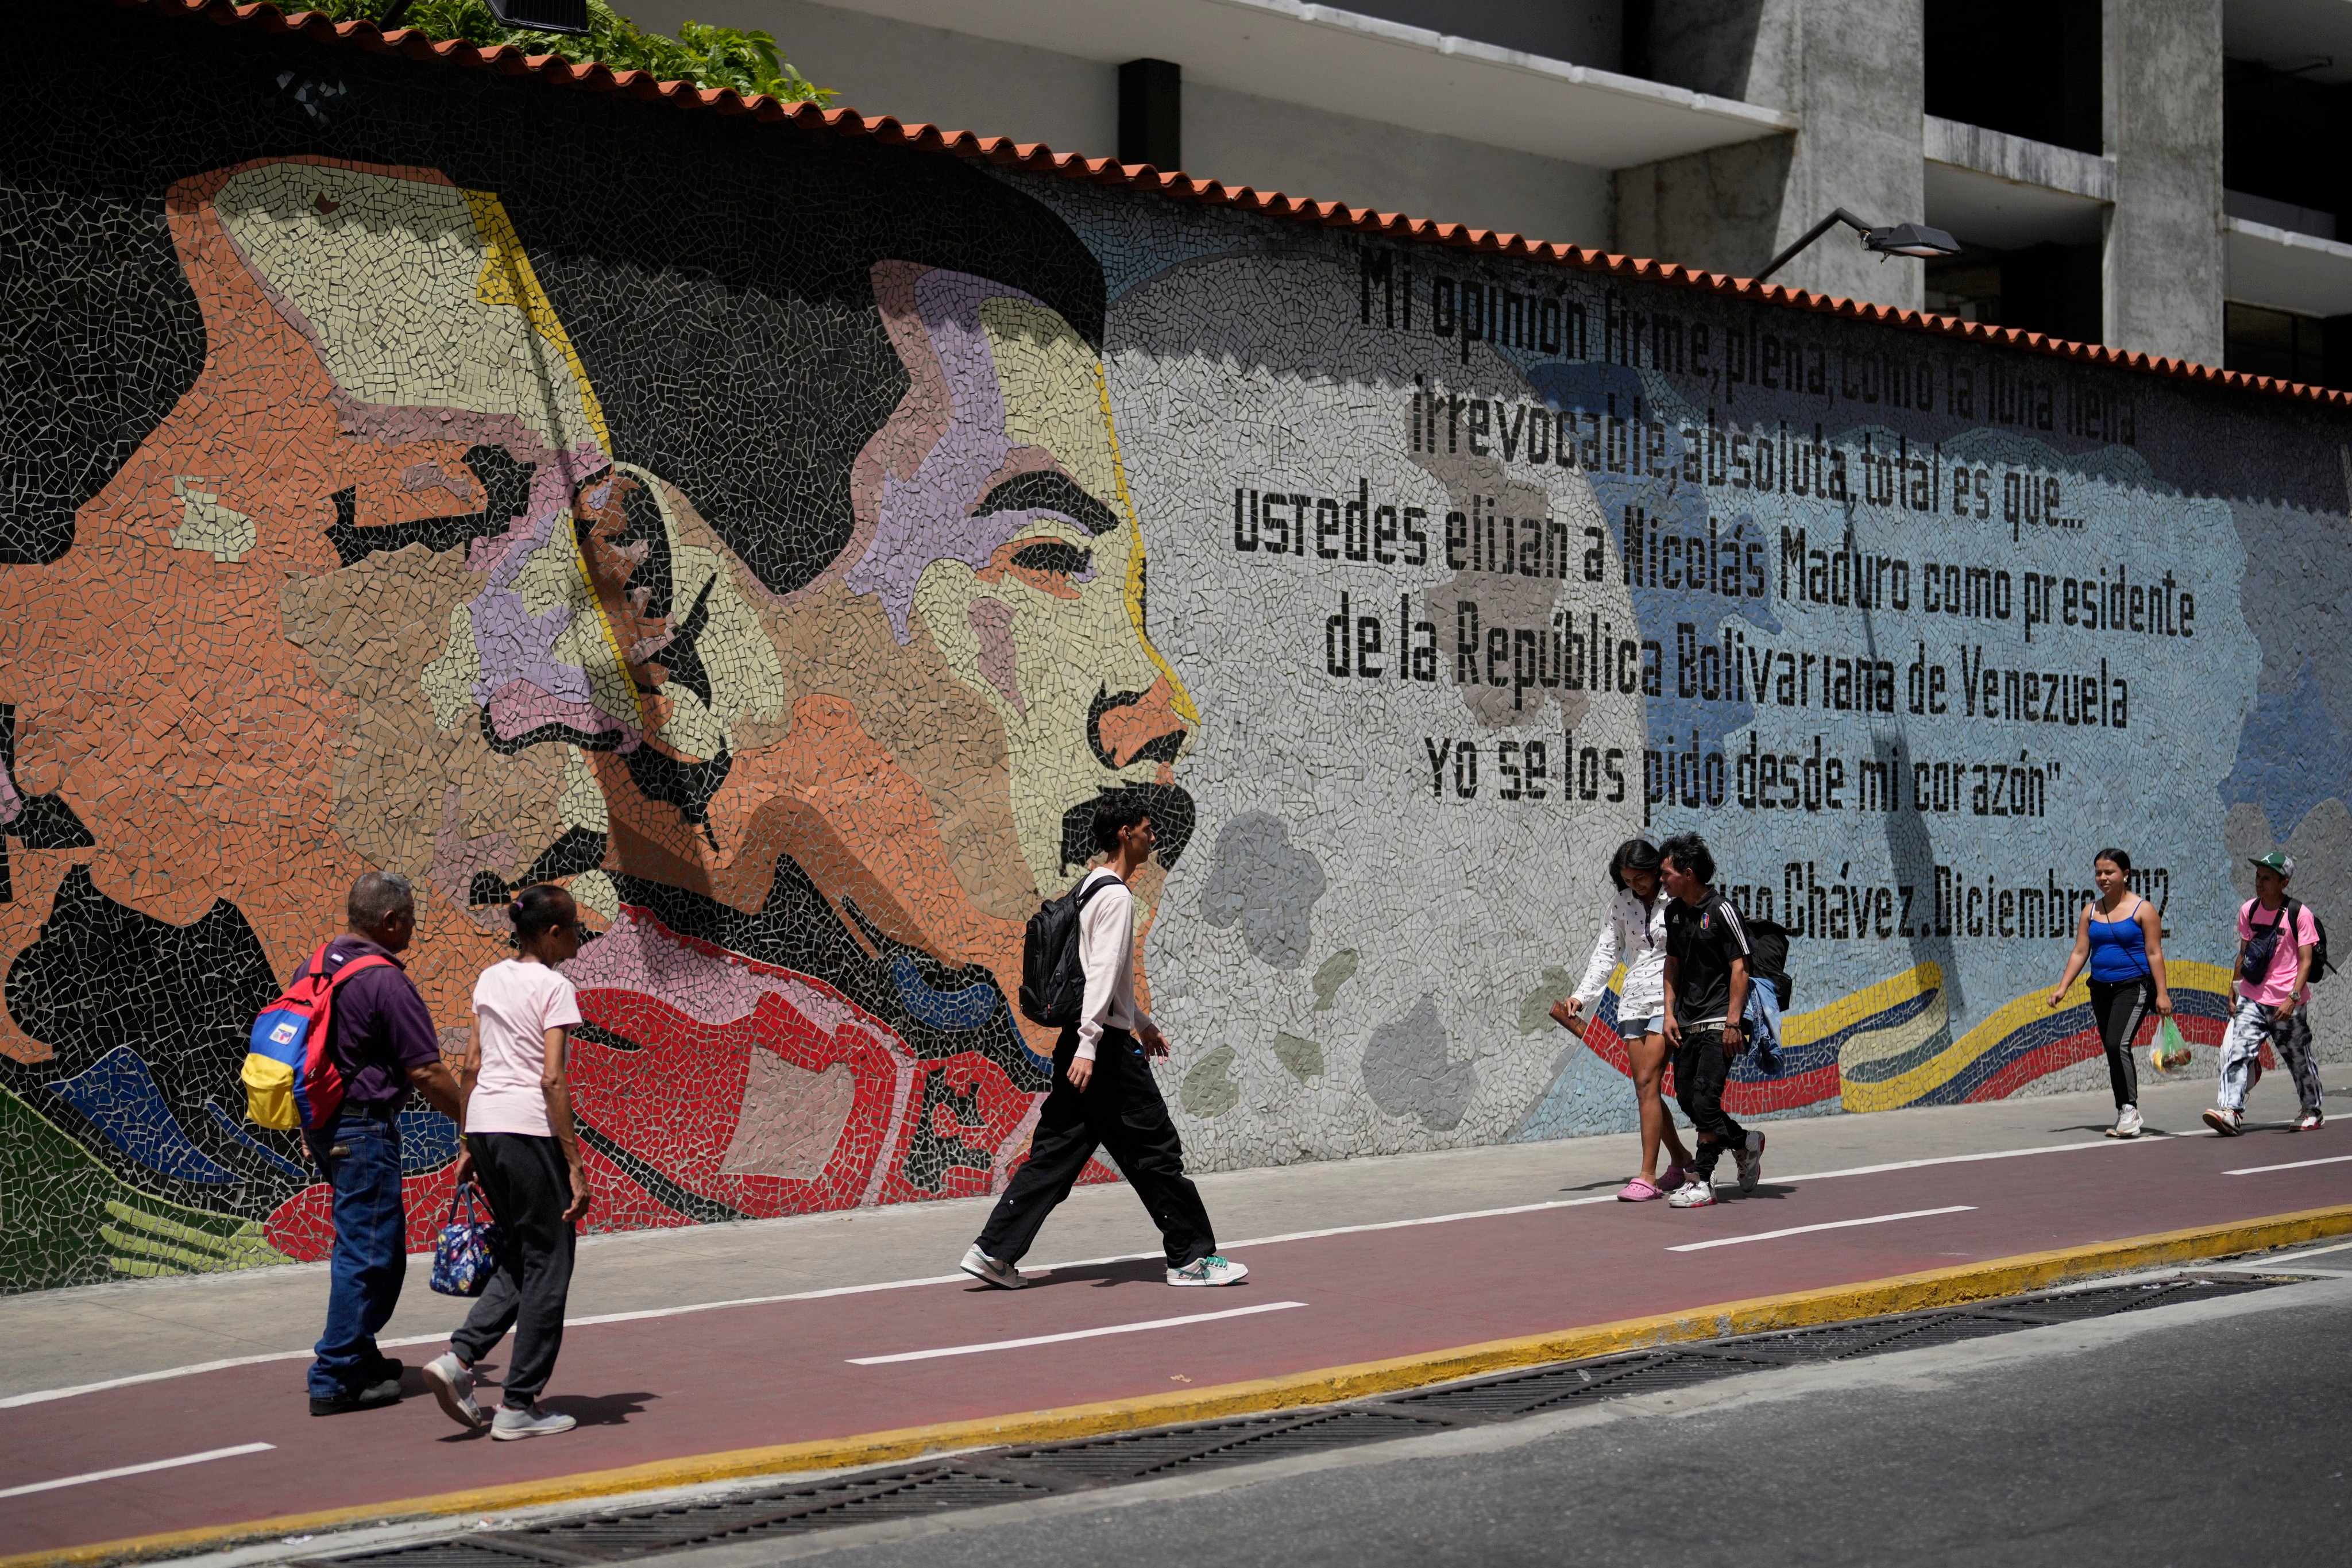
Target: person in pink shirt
{"type": "Point", "coordinates": [2277, 937]}
{"type": "Point", "coordinates": [524, 1151]}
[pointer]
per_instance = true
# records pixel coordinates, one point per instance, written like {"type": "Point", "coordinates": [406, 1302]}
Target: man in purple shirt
{"type": "Point", "coordinates": [381, 1038]}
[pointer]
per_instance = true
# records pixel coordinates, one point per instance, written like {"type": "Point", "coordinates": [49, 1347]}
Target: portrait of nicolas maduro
{"type": "Point", "coordinates": [786, 606]}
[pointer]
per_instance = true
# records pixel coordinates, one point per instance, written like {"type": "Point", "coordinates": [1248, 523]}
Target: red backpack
{"type": "Point", "coordinates": [289, 1081]}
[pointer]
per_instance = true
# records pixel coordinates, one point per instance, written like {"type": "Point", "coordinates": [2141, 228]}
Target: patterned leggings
{"type": "Point", "coordinates": [2251, 1024]}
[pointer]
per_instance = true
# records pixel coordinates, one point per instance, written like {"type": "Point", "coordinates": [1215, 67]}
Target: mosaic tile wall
{"type": "Point", "coordinates": [786, 541]}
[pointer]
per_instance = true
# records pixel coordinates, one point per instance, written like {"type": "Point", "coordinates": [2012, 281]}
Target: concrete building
{"type": "Point", "coordinates": [2152, 175]}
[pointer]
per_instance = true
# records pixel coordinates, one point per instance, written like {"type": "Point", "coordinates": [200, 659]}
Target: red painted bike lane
{"type": "Point", "coordinates": [671, 1387]}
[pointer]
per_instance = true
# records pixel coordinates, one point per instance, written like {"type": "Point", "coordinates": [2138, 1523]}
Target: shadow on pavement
{"type": "Point", "coordinates": [598, 1409]}
{"type": "Point", "coordinates": [1102, 1276]}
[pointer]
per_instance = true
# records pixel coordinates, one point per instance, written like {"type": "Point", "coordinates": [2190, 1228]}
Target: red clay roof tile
{"type": "Point", "coordinates": [1035, 157]}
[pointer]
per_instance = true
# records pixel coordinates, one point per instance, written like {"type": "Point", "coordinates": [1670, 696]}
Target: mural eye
{"type": "Point", "coordinates": [1052, 555]}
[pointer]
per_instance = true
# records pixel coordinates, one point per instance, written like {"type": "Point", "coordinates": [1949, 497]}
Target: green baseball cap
{"type": "Point", "coordinates": [2277, 860]}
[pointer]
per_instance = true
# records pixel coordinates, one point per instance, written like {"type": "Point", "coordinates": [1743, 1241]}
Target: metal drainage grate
{"type": "Point", "coordinates": [866, 1500]}
{"type": "Point", "coordinates": [1129, 1455]}
{"type": "Point", "coordinates": [458, 1554]}
{"type": "Point", "coordinates": [1873, 1336]}
{"type": "Point", "coordinates": [2105, 1300]}
{"type": "Point", "coordinates": [979, 1480]}
{"type": "Point", "coordinates": [1523, 1395]}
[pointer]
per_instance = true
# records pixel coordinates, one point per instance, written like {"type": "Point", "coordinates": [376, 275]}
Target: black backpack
{"type": "Point", "coordinates": [1768, 956]}
{"type": "Point", "coordinates": [1053, 985]}
{"type": "Point", "coordinates": [2260, 946]}
{"type": "Point", "coordinates": [1768, 963]}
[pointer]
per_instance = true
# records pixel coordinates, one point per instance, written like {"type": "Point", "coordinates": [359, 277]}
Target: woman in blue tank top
{"type": "Point", "coordinates": [2121, 936]}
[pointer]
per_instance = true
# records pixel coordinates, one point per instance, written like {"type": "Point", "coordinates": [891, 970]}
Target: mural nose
{"type": "Point", "coordinates": [1135, 726]}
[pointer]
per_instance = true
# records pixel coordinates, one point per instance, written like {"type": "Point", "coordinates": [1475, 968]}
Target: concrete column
{"type": "Point", "coordinates": [1850, 69]}
{"type": "Point", "coordinates": [2165, 271]}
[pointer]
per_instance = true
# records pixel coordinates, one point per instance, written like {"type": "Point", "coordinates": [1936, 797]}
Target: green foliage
{"type": "Point", "coordinates": [707, 56]}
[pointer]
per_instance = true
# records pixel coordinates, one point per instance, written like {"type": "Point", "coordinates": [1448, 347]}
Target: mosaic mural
{"type": "Point", "coordinates": [786, 542]}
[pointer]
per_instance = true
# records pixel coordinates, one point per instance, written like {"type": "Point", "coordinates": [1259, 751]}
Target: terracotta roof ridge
{"type": "Point", "coordinates": [1037, 157]}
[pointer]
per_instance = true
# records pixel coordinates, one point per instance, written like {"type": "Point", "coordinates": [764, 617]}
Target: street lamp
{"type": "Point", "coordinates": [1900, 239]}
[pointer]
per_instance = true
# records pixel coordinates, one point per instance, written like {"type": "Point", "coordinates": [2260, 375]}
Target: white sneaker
{"type": "Point", "coordinates": [2312, 1121]}
{"type": "Point", "coordinates": [509, 1425]}
{"type": "Point", "coordinates": [1694, 1194]}
{"type": "Point", "coordinates": [2227, 1124]}
{"type": "Point", "coordinates": [2128, 1124]}
{"type": "Point", "coordinates": [989, 1271]}
{"type": "Point", "coordinates": [1210, 1271]}
{"type": "Point", "coordinates": [1750, 1158]}
{"type": "Point", "coordinates": [452, 1382]}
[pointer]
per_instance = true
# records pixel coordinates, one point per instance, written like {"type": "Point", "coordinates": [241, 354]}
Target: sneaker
{"type": "Point", "coordinates": [452, 1383]}
{"type": "Point", "coordinates": [989, 1271]}
{"type": "Point", "coordinates": [511, 1425]}
{"type": "Point", "coordinates": [1210, 1271]}
{"type": "Point", "coordinates": [2128, 1124]}
{"type": "Point", "coordinates": [1750, 1158]}
{"type": "Point", "coordinates": [1673, 1178]}
{"type": "Point", "coordinates": [1640, 1190]}
{"type": "Point", "coordinates": [366, 1396]}
{"type": "Point", "coordinates": [2311, 1122]}
{"type": "Point", "coordinates": [2227, 1124]}
{"type": "Point", "coordinates": [1694, 1194]}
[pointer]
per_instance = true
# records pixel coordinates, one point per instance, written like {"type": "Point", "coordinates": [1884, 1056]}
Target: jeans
{"type": "Point", "coordinates": [2251, 1024]}
{"type": "Point", "coordinates": [528, 1187]}
{"type": "Point", "coordinates": [1701, 1072]}
{"type": "Point", "coordinates": [371, 1256]}
{"type": "Point", "coordinates": [1120, 1111]}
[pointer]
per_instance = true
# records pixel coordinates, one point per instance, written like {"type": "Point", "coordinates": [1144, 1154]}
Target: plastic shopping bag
{"type": "Point", "coordinates": [464, 1256]}
{"type": "Point", "coordinates": [2169, 1052]}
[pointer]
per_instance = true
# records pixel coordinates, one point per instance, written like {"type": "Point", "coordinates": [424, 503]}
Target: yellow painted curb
{"type": "Point", "coordinates": [1838, 1304]}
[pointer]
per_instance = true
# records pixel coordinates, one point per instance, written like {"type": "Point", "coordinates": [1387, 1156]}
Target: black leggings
{"type": "Point", "coordinates": [2119, 1009]}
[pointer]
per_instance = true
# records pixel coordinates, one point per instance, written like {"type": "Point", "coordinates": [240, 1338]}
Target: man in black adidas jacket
{"type": "Point", "coordinates": [1707, 995]}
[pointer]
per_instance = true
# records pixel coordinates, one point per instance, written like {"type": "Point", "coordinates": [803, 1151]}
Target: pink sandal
{"type": "Point", "coordinates": [1673, 1179]}
{"type": "Point", "coordinates": [1640, 1190]}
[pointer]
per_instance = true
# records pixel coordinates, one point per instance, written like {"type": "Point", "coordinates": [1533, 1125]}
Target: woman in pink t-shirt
{"type": "Point", "coordinates": [2277, 943]}
{"type": "Point", "coordinates": [524, 1153]}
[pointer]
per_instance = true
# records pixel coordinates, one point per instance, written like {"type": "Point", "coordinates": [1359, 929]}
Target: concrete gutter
{"type": "Point", "coordinates": [2285, 270]}
{"type": "Point", "coordinates": [2018, 160]}
{"type": "Point", "coordinates": [1991, 189]}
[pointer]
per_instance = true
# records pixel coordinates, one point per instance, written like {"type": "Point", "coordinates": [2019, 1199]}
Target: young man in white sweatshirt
{"type": "Point", "coordinates": [1104, 1094]}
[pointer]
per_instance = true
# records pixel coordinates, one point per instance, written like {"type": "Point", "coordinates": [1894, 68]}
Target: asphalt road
{"type": "Point", "coordinates": [2217, 1432]}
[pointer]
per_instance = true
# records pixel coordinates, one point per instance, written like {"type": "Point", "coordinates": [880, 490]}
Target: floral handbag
{"type": "Point", "coordinates": [465, 1255]}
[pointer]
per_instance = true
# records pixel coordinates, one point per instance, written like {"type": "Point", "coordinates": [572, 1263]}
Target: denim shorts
{"type": "Point", "coordinates": [1655, 1024]}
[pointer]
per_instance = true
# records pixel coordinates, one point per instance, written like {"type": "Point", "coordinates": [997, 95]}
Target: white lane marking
{"type": "Point", "coordinates": [1808, 1230]}
{"type": "Point", "coordinates": [42, 1395]}
{"type": "Point", "coordinates": [138, 1469]}
{"type": "Point", "coordinates": [1073, 1334]}
{"type": "Point", "coordinates": [2290, 1166]}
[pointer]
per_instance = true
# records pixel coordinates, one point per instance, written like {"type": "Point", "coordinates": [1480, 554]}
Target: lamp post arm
{"type": "Point", "coordinates": [1839, 216]}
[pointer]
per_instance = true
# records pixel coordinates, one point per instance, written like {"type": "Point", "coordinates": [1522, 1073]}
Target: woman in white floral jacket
{"type": "Point", "coordinates": [1634, 934]}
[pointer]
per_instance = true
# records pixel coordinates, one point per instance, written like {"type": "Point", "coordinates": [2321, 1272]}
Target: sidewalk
{"type": "Point", "coordinates": [94, 1334]}
{"type": "Point", "coordinates": [817, 1343]}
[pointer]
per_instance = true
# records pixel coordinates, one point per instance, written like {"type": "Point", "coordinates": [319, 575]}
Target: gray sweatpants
{"type": "Point", "coordinates": [2251, 1024]}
